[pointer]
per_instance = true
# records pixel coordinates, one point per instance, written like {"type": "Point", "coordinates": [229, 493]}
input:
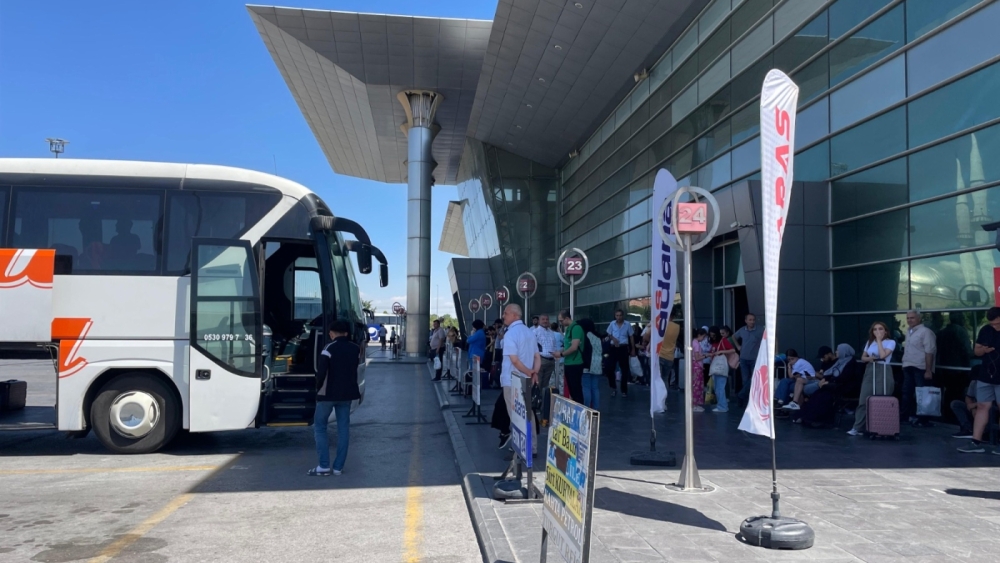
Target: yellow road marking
{"type": "Point", "coordinates": [413, 533]}
{"type": "Point", "coordinates": [142, 529]}
{"type": "Point", "coordinates": [108, 470]}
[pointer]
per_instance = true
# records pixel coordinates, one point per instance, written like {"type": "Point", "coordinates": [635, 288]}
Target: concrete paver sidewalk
{"type": "Point", "coordinates": [917, 498]}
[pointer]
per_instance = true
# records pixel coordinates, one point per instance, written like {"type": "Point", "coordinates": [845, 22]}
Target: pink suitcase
{"type": "Point", "coordinates": [883, 410]}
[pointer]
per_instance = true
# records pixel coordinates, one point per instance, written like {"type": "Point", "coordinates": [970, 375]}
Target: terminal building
{"type": "Point", "coordinates": [554, 118]}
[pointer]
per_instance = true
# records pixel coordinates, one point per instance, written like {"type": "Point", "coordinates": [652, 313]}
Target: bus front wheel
{"type": "Point", "coordinates": [135, 414]}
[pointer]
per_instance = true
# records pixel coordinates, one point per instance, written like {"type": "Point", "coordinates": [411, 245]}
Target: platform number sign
{"type": "Point", "coordinates": [692, 217]}
{"type": "Point", "coordinates": [503, 296]}
{"type": "Point", "coordinates": [526, 285]}
{"type": "Point", "coordinates": [573, 266]}
{"type": "Point", "coordinates": [486, 301]}
{"type": "Point", "coordinates": [397, 308]}
{"type": "Point", "coordinates": [474, 306]}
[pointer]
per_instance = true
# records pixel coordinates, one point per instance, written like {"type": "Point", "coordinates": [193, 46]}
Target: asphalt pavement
{"type": "Point", "coordinates": [243, 496]}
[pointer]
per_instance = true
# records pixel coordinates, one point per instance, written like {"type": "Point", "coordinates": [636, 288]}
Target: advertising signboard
{"type": "Point", "coordinates": [570, 469]}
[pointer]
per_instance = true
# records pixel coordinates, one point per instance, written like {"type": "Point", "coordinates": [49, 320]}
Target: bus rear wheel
{"type": "Point", "coordinates": [135, 414]}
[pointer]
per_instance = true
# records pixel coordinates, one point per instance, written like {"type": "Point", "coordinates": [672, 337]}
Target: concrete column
{"type": "Point", "coordinates": [420, 130]}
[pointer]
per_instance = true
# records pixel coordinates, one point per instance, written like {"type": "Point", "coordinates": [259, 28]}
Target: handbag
{"type": "Point", "coordinates": [710, 398]}
{"type": "Point", "coordinates": [437, 363]}
{"type": "Point", "coordinates": [719, 366]}
{"type": "Point", "coordinates": [928, 401]}
{"type": "Point", "coordinates": [734, 361]}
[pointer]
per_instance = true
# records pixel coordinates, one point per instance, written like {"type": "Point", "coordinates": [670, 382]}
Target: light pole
{"type": "Point", "coordinates": [57, 145]}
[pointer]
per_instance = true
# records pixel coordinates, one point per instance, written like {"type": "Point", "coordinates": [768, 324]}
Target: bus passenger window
{"type": "Point", "coordinates": [98, 231]}
{"type": "Point", "coordinates": [3, 215]}
{"type": "Point", "coordinates": [196, 213]}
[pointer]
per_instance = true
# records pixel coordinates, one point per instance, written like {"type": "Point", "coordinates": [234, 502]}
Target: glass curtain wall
{"type": "Point", "coordinates": [510, 218]}
{"type": "Point", "coordinates": [898, 117]}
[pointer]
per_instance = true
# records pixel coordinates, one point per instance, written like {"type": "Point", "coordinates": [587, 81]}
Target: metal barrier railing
{"type": "Point", "coordinates": [476, 411]}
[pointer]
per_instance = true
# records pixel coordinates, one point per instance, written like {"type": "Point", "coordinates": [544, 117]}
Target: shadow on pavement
{"type": "Point", "coordinates": [652, 509]}
{"type": "Point", "coordinates": [989, 495]}
{"type": "Point", "coordinates": [398, 439]}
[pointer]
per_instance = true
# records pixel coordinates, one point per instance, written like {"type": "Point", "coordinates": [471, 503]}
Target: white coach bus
{"type": "Point", "coordinates": [167, 293]}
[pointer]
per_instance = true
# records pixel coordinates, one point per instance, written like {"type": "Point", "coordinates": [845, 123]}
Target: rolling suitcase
{"type": "Point", "coordinates": [883, 410]}
{"type": "Point", "coordinates": [12, 395]}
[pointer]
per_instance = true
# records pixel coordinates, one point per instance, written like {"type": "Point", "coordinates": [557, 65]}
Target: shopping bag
{"type": "Point", "coordinates": [719, 366]}
{"type": "Point", "coordinates": [928, 401]}
{"type": "Point", "coordinates": [710, 398]}
{"type": "Point", "coordinates": [437, 363]}
{"type": "Point", "coordinates": [634, 366]}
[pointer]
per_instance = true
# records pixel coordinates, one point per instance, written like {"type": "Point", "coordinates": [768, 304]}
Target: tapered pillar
{"type": "Point", "coordinates": [419, 130]}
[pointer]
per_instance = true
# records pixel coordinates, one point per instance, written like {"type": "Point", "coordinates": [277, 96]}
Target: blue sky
{"type": "Point", "coordinates": [191, 81]}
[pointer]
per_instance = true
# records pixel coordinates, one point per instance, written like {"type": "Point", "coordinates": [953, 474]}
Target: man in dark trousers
{"type": "Point", "coordinates": [336, 387]}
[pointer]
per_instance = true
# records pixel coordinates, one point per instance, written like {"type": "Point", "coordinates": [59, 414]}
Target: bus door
{"type": "Point", "coordinates": [225, 362]}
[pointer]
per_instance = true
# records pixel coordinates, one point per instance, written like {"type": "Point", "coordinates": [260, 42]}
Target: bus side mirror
{"type": "Point", "coordinates": [364, 259]}
{"type": "Point", "coordinates": [383, 275]}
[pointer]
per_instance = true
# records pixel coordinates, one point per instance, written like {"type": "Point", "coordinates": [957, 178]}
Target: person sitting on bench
{"type": "Point", "coordinates": [806, 387]}
{"type": "Point", "coordinates": [803, 372]}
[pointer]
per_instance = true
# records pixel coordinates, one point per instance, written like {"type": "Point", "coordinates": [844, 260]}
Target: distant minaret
{"type": "Point", "coordinates": [980, 215]}
{"type": "Point", "coordinates": [963, 218]}
{"type": "Point", "coordinates": [962, 215]}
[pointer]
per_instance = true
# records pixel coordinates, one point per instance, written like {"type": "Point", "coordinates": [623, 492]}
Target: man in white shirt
{"type": "Point", "coordinates": [620, 333]}
{"type": "Point", "coordinates": [803, 372]}
{"type": "Point", "coordinates": [918, 366]}
{"type": "Point", "coordinates": [546, 344]}
{"type": "Point", "coordinates": [521, 359]}
{"type": "Point", "coordinates": [437, 338]}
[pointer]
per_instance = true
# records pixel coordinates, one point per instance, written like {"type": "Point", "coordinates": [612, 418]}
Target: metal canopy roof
{"type": "Point", "coordinates": [344, 70]}
{"type": "Point", "coordinates": [571, 89]}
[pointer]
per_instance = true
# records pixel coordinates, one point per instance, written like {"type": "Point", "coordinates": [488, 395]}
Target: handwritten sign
{"type": "Point", "coordinates": [570, 467]}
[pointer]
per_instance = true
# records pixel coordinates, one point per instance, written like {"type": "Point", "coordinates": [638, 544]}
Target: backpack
{"type": "Point", "coordinates": [588, 352]}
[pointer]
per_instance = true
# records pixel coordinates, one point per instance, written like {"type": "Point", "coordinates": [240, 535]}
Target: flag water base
{"type": "Point", "coordinates": [654, 459]}
{"type": "Point", "coordinates": [509, 489]}
{"type": "Point", "coordinates": [777, 531]}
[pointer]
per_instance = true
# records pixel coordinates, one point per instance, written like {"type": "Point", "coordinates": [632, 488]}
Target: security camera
{"type": "Point", "coordinates": [641, 75]}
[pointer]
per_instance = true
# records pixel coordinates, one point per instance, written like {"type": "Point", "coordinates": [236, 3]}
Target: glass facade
{"type": "Point", "coordinates": [509, 212]}
{"type": "Point", "coordinates": [898, 137]}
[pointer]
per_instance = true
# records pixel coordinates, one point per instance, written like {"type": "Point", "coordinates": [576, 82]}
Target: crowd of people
{"type": "Point", "coordinates": [576, 359]}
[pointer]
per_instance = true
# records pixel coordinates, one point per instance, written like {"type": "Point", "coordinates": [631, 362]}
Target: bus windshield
{"type": "Point", "coordinates": [348, 301]}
